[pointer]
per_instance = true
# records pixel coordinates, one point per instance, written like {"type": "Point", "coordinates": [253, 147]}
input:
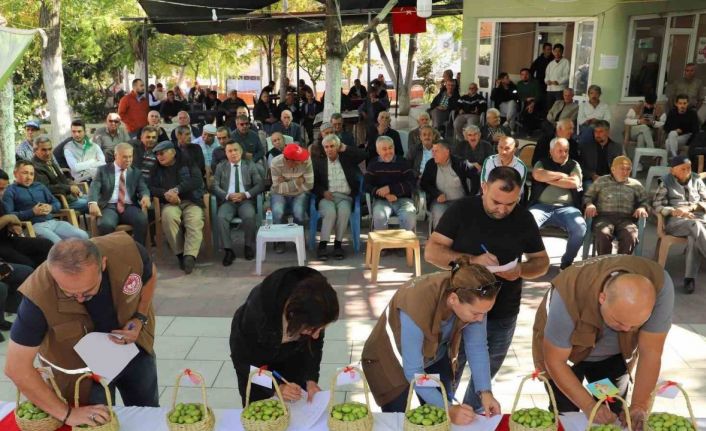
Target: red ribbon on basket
{"type": "Point", "coordinates": [609, 399]}
{"type": "Point", "coordinates": [96, 378]}
{"type": "Point", "coordinates": [666, 386]}
{"type": "Point", "coordinates": [535, 374]}
{"type": "Point", "coordinates": [350, 370]}
{"type": "Point", "coordinates": [422, 379]}
{"type": "Point", "coordinates": [193, 377]}
{"type": "Point", "coordinates": [261, 370]}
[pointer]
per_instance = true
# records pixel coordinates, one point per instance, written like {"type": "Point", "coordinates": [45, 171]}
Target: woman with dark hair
{"type": "Point", "coordinates": [281, 326]}
{"type": "Point", "coordinates": [265, 111]}
{"type": "Point", "coordinates": [421, 332]}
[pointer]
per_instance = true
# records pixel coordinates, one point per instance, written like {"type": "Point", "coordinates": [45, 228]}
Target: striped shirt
{"type": "Point", "coordinates": [494, 161]}
{"type": "Point", "coordinates": [610, 196]}
{"type": "Point", "coordinates": [289, 187]}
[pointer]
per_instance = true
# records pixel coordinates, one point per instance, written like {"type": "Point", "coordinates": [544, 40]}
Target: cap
{"type": "Point", "coordinates": [678, 160]}
{"type": "Point", "coordinates": [210, 129]}
{"type": "Point", "coordinates": [32, 123]}
{"type": "Point", "coordinates": [164, 145]}
{"type": "Point", "coordinates": [621, 160]}
{"type": "Point", "coordinates": [294, 152]}
{"type": "Point", "coordinates": [325, 125]}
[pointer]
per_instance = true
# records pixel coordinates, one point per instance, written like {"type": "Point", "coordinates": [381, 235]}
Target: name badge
{"type": "Point", "coordinates": [133, 284]}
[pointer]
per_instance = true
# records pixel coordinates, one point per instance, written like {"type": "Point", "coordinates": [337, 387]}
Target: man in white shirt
{"type": "Point", "coordinates": [643, 119]}
{"type": "Point", "coordinates": [207, 142]}
{"type": "Point", "coordinates": [590, 112]}
{"type": "Point", "coordinates": [557, 75]}
{"type": "Point", "coordinates": [83, 156]}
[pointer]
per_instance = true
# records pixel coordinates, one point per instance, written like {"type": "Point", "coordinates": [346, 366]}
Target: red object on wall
{"type": "Point", "coordinates": [406, 21]}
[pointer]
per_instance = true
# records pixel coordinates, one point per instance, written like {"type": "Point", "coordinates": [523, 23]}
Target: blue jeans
{"type": "Point", "coordinates": [568, 218]}
{"type": "Point", "coordinates": [295, 204]}
{"type": "Point", "coordinates": [80, 205]}
{"type": "Point", "coordinates": [403, 208]}
{"type": "Point", "coordinates": [137, 383]}
{"type": "Point", "coordinates": [500, 333]}
{"type": "Point", "coordinates": [56, 230]}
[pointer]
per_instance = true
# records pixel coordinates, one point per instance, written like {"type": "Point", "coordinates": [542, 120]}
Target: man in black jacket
{"type": "Point", "coordinates": [190, 150]}
{"type": "Point", "coordinates": [539, 66]}
{"type": "Point", "coordinates": [47, 172]}
{"type": "Point", "coordinates": [506, 99]}
{"type": "Point", "coordinates": [446, 179]}
{"type": "Point", "coordinates": [682, 123]}
{"type": "Point", "coordinates": [229, 107]}
{"type": "Point", "coordinates": [383, 128]}
{"type": "Point", "coordinates": [336, 185]}
{"type": "Point", "coordinates": [443, 104]}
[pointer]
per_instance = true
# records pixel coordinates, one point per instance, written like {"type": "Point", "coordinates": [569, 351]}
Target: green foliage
{"type": "Point", "coordinates": [426, 73]}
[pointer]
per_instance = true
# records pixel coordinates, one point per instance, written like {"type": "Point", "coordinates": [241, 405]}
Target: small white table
{"type": "Point", "coordinates": [279, 233]}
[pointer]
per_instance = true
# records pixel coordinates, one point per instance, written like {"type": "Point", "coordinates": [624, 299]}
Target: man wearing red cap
{"type": "Point", "coordinates": [292, 177]}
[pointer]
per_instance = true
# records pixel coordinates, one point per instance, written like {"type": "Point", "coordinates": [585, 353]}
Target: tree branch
{"type": "Point", "coordinates": [371, 26]}
{"type": "Point", "coordinates": [383, 55]}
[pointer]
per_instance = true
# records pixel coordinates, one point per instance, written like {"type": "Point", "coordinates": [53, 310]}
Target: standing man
{"type": "Point", "coordinates": [116, 192]}
{"type": "Point", "coordinates": [236, 184]}
{"type": "Point", "coordinates": [602, 315]}
{"type": "Point", "coordinates": [690, 85]}
{"type": "Point", "coordinates": [557, 75]}
{"type": "Point", "coordinates": [492, 230]}
{"type": "Point", "coordinates": [82, 156]}
{"type": "Point", "coordinates": [110, 135]}
{"type": "Point", "coordinates": [538, 69]}
{"type": "Point", "coordinates": [102, 285]}
{"type": "Point", "coordinates": [133, 108]}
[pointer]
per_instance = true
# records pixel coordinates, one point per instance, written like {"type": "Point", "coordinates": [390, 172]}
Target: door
{"type": "Point", "coordinates": [582, 56]}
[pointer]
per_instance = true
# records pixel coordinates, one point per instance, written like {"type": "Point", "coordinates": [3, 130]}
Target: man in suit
{"type": "Point", "coordinates": [116, 192]}
{"type": "Point", "coordinates": [336, 178]}
{"type": "Point", "coordinates": [236, 184]}
{"type": "Point", "coordinates": [48, 172]}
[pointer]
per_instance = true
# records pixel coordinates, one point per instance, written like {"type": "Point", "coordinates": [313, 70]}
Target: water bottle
{"type": "Point", "coordinates": [268, 219]}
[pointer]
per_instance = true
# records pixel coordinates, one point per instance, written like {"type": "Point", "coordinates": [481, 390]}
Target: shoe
{"type": "Point", "coordinates": [280, 247]}
{"type": "Point", "coordinates": [321, 253]}
{"type": "Point", "coordinates": [689, 285]}
{"type": "Point", "coordinates": [189, 263]}
{"type": "Point", "coordinates": [5, 325]}
{"type": "Point", "coordinates": [249, 253]}
{"type": "Point", "coordinates": [180, 258]}
{"type": "Point", "coordinates": [228, 258]}
{"type": "Point", "coordinates": [338, 250]}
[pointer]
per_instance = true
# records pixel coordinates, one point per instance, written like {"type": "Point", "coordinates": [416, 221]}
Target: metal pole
{"type": "Point", "coordinates": [144, 50]}
{"type": "Point", "coordinates": [369, 43]}
{"type": "Point", "coordinates": [397, 84]}
{"type": "Point", "coordinates": [296, 51]}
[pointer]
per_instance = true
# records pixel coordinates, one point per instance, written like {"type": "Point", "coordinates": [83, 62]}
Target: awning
{"type": "Point", "coordinates": [13, 43]}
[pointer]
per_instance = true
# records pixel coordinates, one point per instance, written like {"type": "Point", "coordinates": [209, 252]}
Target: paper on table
{"type": "Point", "coordinates": [305, 415]}
{"type": "Point", "coordinates": [577, 421]}
{"type": "Point", "coordinates": [104, 357]}
{"type": "Point", "coordinates": [502, 268]}
{"type": "Point", "coordinates": [480, 423]}
{"type": "Point", "coordinates": [262, 379]}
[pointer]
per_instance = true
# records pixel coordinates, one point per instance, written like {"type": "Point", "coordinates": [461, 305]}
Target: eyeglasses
{"type": "Point", "coordinates": [114, 121]}
{"type": "Point", "coordinates": [489, 289]}
{"type": "Point", "coordinates": [242, 124]}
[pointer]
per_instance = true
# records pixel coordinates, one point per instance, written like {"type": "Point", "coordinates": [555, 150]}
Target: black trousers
{"type": "Point", "coordinates": [25, 251]}
{"type": "Point", "coordinates": [613, 368]}
{"type": "Point", "coordinates": [132, 215]}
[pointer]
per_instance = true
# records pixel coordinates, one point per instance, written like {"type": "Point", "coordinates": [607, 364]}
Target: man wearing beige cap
{"type": "Point", "coordinates": [615, 202]}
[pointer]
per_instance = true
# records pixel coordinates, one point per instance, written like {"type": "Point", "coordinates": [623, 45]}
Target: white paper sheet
{"type": "Point", "coordinates": [350, 377]}
{"type": "Point", "coordinates": [305, 415]}
{"type": "Point", "coordinates": [103, 356]}
{"type": "Point", "coordinates": [480, 423]}
{"type": "Point", "coordinates": [261, 379]}
{"type": "Point", "coordinates": [502, 268]}
{"type": "Point", "coordinates": [576, 421]}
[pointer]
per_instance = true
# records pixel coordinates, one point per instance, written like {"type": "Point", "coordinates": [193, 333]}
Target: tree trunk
{"type": "Point", "coordinates": [405, 81]}
{"type": "Point", "coordinates": [139, 70]}
{"type": "Point", "coordinates": [52, 71]}
{"type": "Point", "coordinates": [406, 87]}
{"type": "Point", "coordinates": [137, 40]}
{"type": "Point", "coordinates": [283, 47]}
{"type": "Point", "coordinates": [180, 76]}
{"type": "Point", "coordinates": [7, 127]}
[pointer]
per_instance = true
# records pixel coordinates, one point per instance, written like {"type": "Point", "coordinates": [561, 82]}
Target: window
{"type": "Point", "coordinates": [646, 43]}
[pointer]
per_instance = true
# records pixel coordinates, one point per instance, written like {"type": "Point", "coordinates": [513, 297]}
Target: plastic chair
{"type": "Point", "coordinates": [404, 139]}
{"type": "Point", "coordinates": [589, 240]}
{"type": "Point", "coordinates": [654, 152]}
{"type": "Point", "coordinates": [655, 171]}
{"type": "Point", "coordinates": [354, 221]}
{"type": "Point", "coordinates": [665, 241]}
{"type": "Point", "coordinates": [259, 215]}
{"type": "Point", "coordinates": [394, 220]}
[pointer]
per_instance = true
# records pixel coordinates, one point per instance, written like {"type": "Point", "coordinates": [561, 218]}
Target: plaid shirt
{"type": "Point", "coordinates": [610, 196]}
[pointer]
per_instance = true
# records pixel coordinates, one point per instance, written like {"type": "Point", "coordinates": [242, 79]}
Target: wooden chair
{"type": "Point", "coordinates": [700, 164]}
{"type": "Point", "coordinates": [27, 226]}
{"type": "Point", "coordinates": [525, 154]}
{"type": "Point", "coordinates": [157, 225]}
{"type": "Point", "coordinates": [665, 241]}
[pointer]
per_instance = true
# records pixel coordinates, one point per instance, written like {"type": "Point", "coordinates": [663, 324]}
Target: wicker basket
{"type": "Point", "coordinates": [208, 420]}
{"type": "Point", "coordinates": [647, 427]}
{"type": "Point", "coordinates": [279, 424]}
{"type": "Point", "coordinates": [409, 426]}
{"type": "Point", "coordinates": [112, 424]}
{"type": "Point", "coordinates": [363, 424]}
{"type": "Point", "coordinates": [592, 416]}
{"type": "Point", "coordinates": [49, 423]}
{"type": "Point", "coordinates": [514, 426]}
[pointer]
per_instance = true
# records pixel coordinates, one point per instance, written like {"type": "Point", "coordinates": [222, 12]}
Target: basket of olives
{"type": "Point", "coordinates": [608, 427]}
{"type": "Point", "coordinates": [534, 419]}
{"type": "Point", "coordinates": [31, 418]}
{"type": "Point", "coordinates": [350, 416]}
{"type": "Point", "coordinates": [190, 416]}
{"type": "Point", "coordinates": [112, 424]}
{"type": "Point", "coordinates": [657, 421]}
{"type": "Point", "coordinates": [426, 417]}
{"type": "Point", "coordinates": [264, 415]}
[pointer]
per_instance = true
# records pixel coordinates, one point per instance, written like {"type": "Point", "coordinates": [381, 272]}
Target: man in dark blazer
{"type": "Point", "coordinates": [446, 179]}
{"type": "Point", "coordinates": [48, 172]}
{"type": "Point", "coordinates": [119, 194]}
{"type": "Point", "coordinates": [336, 185]}
{"type": "Point", "coordinates": [236, 184]}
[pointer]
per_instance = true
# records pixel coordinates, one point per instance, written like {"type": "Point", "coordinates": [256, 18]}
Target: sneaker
{"type": "Point", "coordinates": [689, 285]}
{"type": "Point", "coordinates": [189, 263]}
{"type": "Point", "coordinates": [321, 253]}
{"type": "Point", "coordinates": [338, 250]}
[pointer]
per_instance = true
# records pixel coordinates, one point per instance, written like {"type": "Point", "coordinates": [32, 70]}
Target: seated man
{"type": "Point", "coordinates": [287, 126]}
{"type": "Point", "coordinates": [32, 201]}
{"type": "Point", "coordinates": [682, 123]}
{"type": "Point", "coordinates": [278, 143]}
{"type": "Point", "coordinates": [643, 119]}
{"type": "Point", "coordinates": [248, 139]}
{"type": "Point", "coordinates": [470, 107]}
{"type": "Point", "coordinates": [47, 172]}
{"type": "Point", "coordinates": [391, 181]}
{"type": "Point", "coordinates": [614, 202]}
{"type": "Point", "coordinates": [564, 129]}
{"type": "Point", "coordinates": [25, 150]}
{"type": "Point", "coordinates": [83, 157]}
{"type": "Point", "coordinates": [590, 113]}
{"type": "Point", "coordinates": [383, 128]}
{"type": "Point", "coordinates": [474, 150]}
{"type": "Point", "coordinates": [596, 317]}
{"type": "Point", "coordinates": [344, 135]}
{"type": "Point", "coordinates": [119, 194]}
{"type": "Point", "coordinates": [506, 99]}
{"type": "Point", "coordinates": [184, 119]}
{"type": "Point", "coordinates": [505, 157]}
{"type": "Point", "coordinates": [236, 184]}
{"type": "Point", "coordinates": [420, 152]}
{"type": "Point", "coordinates": [316, 150]}
{"type": "Point", "coordinates": [110, 135]}
{"type": "Point", "coordinates": [290, 103]}
{"type": "Point", "coordinates": [555, 196]}
{"type": "Point", "coordinates": [188, 150]}
{"type": "Point", "coordinates": [492, 131]}
{"type": "Point", "coordinates": [178, 184]}
{"type": "Point", "coordinates": [208, 143]}
{"type": "Point", "coordinates": [336, 185]}
{"type": "Point", "coordinates": [143, 157]}
{"type": "Point", "coordinates": [443, 105]}
{"type": "Point", "coordinates": [565, 108]}
{"type": "Point", "coordinates": [598, 153]}
{"type": "Point", "coordinates": [445, 180]}
{"type": "Point", "coordinates": [681, 199]}
{"type": "Point", "coordinates": [292, 178]}
{"type": "Point", "coordinates": [219, 153]}
{"type": "Point", "coordinates": [154, 120]}
{"type": "Point", "coordinates": [413, 138]}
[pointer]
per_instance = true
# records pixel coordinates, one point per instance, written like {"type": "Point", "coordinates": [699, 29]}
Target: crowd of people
{"type": "Point", "coordinates": [486, 210]}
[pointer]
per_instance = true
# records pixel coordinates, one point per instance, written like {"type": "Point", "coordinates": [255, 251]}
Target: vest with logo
{"type": "Point", "coordinates": [423, 299]}
{"type": "Point", "coordinates": [579, 287]}
{"type": "Point", "coordinates": [68, 320]}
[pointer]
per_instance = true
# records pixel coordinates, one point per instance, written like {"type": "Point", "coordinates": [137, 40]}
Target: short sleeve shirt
{"type": "Point", "coordinates": [467, 223]}
{"type": "Point", "coordinates": [553, 195]}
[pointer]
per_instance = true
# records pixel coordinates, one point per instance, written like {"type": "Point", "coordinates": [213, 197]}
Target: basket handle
{"type": "Point", "coordinates": [541, 377]}
{"type": "Point", "coordinates": [595, 408]}
{"type": "Point", "coordinates": [366, 390]}
{"type": "Point", "coordinates": [190, 373]}
{"type": "Point", "coordinates": [686, 397]}
{"type": "Point", "coordinates": [105, 388]}
{"type": "Point", "coordinates": [410, 394]}
{"type": "Point", "coordinates": [52, 382]}
{"type": "Point", "coordinates": [274, 383]}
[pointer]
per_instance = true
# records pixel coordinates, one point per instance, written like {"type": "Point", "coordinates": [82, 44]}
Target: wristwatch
{"type": "Point", "coordinates": [141, 317]}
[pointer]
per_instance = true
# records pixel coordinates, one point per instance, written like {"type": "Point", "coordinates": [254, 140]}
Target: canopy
{"type": "Point", "coordinates": [13, 43]}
